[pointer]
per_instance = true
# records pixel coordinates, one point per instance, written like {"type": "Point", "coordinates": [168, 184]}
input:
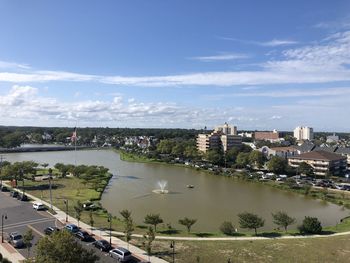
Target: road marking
{"type": "Point", "coordinates": [35, 230]}
{"type": "Point", "coordinates": [45, 214]}
{"type": "Point", "coordinates": [28, 222]}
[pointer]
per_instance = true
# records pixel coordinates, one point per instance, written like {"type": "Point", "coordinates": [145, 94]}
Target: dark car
{"type": "Point", "coordinates": [102, 245]}
{"type": "Point", "coordinates": [72, 228]}
{"type": "Point", "coordinates": [84, 236]}
{"type": "Point", "coordinates": [14, 194]}
{"type": "Point", "coordinates": [22, 197]}
{"type": "Point", "coordinates": [50, 230]}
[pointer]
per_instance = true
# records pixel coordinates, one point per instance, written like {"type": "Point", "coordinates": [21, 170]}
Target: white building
{"type": "Point", "coordinates": [304, 133]}
{"type": "Point", "coordinates": [224, 137]}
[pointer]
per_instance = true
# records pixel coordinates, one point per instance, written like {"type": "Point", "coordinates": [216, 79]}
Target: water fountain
{"type": "Point", "coordinates": [162, 185]}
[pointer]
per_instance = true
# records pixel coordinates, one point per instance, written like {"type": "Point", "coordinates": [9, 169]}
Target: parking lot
{"type": "Point", "coordinates": [21, 217]}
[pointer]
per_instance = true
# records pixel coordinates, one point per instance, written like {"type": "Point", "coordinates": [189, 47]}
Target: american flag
{"type": "Point", "coordinates": [74, 135]}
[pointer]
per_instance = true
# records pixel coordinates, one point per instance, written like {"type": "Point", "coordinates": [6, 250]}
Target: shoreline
{"type": "Point", "coordinates": [102, 213]}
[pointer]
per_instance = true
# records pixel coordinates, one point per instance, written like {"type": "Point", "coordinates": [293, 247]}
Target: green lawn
{"type": "Point", "coordinates": [330, 249]}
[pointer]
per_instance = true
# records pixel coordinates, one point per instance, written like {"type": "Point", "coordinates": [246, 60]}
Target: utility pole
{"type": "Point", "coordinates": [172, 245]}
{"type": "Point", "coordinates": [110, 228]}
{"type": "Point", "coordinates": [50, 175]}
{"type": "Point", "coordinates": [66, 202]}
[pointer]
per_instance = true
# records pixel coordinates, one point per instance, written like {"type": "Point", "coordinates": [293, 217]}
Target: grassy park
{"type": "Point", "coordinates": [330, 249]}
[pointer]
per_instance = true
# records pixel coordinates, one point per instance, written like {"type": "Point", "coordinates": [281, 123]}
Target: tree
{"type": "Point", "coordinates": [4, 260]}
{"type": "Point", "coordinates": [227, 228]}
{"type": "Point", "coordinates": [62, 247]}
{"type": "Point", "coordinates": [153, 219]}
{"type": "Point", "coordinates": [126, 214]}
{"type": "Point", "coordinates": [78, 208]}
{"type": "Point", "coordinates": [188, 223]}
{"type": "Point", "coordinates": [305, 168]}
{"type": "Point", "coordinates": [231, 155]}
{"type": "Point", "coordinates": [310, 225]}
{"type": "Point", "coordinates": [129, 225]}
{"type": "Point", "coordinates": [148, 239]}
{"type": "Point", "coordinates": [277, 165]}
{"type": "Point", "coordinates": [215, 157]}
{"type": "Point", "coordinates": [27, 240]}
{"type": "Point", "coordinates": [242, 159]}
{"type": "Point", "coordinates": [282, 219]}
{"type": "Point", "coordinates": [256, 158]}
{"type": "Point", "coordinates": [250, 221]}
{"type": "Point", "coordinates": [129, 228]}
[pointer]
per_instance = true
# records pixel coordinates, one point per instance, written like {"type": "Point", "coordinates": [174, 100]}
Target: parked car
{"type": "Point", "coordinates": [102, 245]}
{"type": "Point", "coordinates": [50, 230]}
{"type": "Point", "coordinates": [121, 254]}
{"type": "Point", "coordinates": [84, 236]}
{"type": "Point", "coordinates": [16, 240]}
{"type": "Point", "coordinates": [4, 188]}
{"type": "Point", "coordinates": [14, 194]}
{"type": "Point", "coordinates": [22, 197]}
{"type": "Point", "coordinates": [72, 228]}
{"type": "Point", "coordinates": [38, 206]}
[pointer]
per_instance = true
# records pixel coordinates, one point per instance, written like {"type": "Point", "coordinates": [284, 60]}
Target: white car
{"type": "Point", "coordinates": [121, 254]}
{"type": "Point", "coordinates": [38, 206]}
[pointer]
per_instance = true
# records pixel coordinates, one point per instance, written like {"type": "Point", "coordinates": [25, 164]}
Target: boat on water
{"type": "Point", "coordinates": [190, 186]}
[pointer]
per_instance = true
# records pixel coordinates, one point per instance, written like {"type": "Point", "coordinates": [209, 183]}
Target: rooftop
{"type": "Point", "coordinates": [319, 155]}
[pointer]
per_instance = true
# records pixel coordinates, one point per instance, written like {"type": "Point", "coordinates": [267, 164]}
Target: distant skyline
{"type": "Point", "coordinates": [259, 65]}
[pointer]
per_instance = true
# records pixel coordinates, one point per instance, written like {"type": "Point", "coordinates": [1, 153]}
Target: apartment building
{"type": "Point", "coordinates": [304, 133]}
{"type": "Point", "coordinates": [224, 137]}
{"type": "Point", "coordinates": [322, 162]}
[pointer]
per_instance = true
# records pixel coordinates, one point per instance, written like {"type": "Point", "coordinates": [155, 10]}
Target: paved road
{"type": "Point", "coordinates": [21, 217]}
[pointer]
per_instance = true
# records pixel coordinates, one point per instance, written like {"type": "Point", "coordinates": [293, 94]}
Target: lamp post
{"type": "Point", "coordinates": [172, 245]}
{"type": "Point", "coordinates": [66, 203]}
{"type": "Point", "coordinates": [2, 227]}
{"type": "Point", "coordinates": [50, 176]}
{"type": "Point", "coordinates": [110, 228]}
{"type": "Point", "coordinates": [21, 175]}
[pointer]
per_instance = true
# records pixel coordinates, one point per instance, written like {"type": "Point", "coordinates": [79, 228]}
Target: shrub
{"type": "Point", "coordinates": [310, 225]}
{"type": "Point", "coordinates": [227, 228]}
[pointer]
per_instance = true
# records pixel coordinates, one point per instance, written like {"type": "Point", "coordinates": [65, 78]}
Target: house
{"type": "Point", "coordinates": [283, 152]}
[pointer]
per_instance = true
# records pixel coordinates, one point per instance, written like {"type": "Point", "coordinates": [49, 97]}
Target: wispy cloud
{"type": "Point", "coordinates": [220, 57]}
{"type": "Point", "coordinates": [270, 43]}
{"type": "Point", "coordinates": [13, 65]}
{"type": "Point", "coordinates": [278, 42]}
{"type": "Point", "coordinates": [324, 62]}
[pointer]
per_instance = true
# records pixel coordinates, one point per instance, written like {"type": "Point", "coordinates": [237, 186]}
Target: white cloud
{"type": "Point", "coordinates": [13, 65]}
{"type": "Point", "coordinates": [278, 42]}
{"type": "Point", "coordinates": [221, 57]}
{"type": "Point", "coordinates": [327, 61]}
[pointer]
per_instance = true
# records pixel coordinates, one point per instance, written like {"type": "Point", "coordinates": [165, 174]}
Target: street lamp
{"type": "Point", "coordinates": [110, 228]}
{"type": "Point", "coordinates": [2, 227]}
{"type": "Point", "coordinates": [66, 203]}
{"type": "Point", "coordinates": [50, 177]}
{"type": "Point", "coordinates": [172, 245]}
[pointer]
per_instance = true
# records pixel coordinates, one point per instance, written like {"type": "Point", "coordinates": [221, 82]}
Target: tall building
{"type": "Point", "coordinates": [224, 137]}
{"type": "Point", "coordinates": [304, 133]}
{"type": "Point", "coordinates": [226, 129]}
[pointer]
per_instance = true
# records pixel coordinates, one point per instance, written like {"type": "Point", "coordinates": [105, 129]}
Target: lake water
{"type": "Point", "coordinates": [213, 199]}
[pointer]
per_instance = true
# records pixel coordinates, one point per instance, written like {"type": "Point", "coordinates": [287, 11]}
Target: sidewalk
{"type": "Point", "coordinates": [10, 253]}
{"type": "Point", "coordinates": [61, 217]}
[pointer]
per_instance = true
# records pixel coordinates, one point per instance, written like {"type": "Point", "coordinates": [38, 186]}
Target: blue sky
{"type": "Point", "coordinates": [255, 64]}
